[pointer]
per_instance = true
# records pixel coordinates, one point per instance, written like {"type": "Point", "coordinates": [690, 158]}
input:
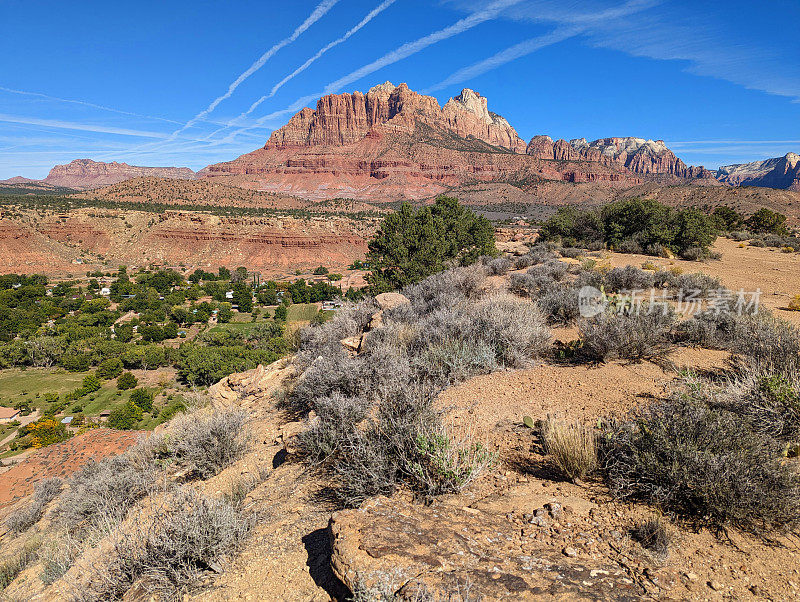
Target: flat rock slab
{"type": "Point", "coordinates": [391, 545]}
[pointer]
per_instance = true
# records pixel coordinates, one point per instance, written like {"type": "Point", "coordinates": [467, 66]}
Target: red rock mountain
{"type": "Point", "coordinates": [637, 154]}
{"type": "Point", "coordinates": [342, 119]}
{"type": "Point", "coordinates": [85, 173]}
{"type": "Point", "coordinates": [780, 172]}
{"type": "Point", "coordinates": [393, 143]}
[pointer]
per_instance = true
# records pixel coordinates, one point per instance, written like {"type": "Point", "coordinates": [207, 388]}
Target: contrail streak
{"type": "Point", "coordinates": [372, 14]}
{"type": "Point", "coordinates": [404, 51]}
{"type": "Point", "coordinates": [505, 56]}
{"type": "Point", "coordinates": [84, 103]}
{"type": "Point", "coordinates": [70, 125]}
{"type": "Point", "coordinates": [315, 16]}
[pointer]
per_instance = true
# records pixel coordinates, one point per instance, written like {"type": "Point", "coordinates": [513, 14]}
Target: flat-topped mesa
{"type": "Point", "coordinates": [639, 155]}
{"type": "Point", "coordinates": [342, 119]}
{"type": "Point", "coordinates": [83, 173]}
{"type": "Point", "coordinates": [779, 172]}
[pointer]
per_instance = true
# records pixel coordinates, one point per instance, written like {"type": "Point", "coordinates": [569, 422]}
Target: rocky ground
{"type": "Point", "coordinates": [521, 532]}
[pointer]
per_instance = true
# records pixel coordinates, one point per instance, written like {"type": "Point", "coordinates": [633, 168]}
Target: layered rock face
{"type": "Point", "coordinates": [342, 119]}
{"type": "Point", "coordinates": [780, 172]}
{"type": "Point", "coordinates": [85, 173]}
{"type": "Point", "coordinates": [638, 155]}
{"type": "Point", "coordinates": [393, 143]}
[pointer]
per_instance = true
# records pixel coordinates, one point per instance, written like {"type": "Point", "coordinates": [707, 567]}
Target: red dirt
{"type": "Point", "coordinates": [62, 460]}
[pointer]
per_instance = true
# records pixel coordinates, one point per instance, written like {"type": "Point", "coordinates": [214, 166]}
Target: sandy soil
{"type": "Point", "coordinates": [776, 274]}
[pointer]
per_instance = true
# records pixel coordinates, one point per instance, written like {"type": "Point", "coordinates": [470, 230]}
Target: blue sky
{"type": "Point", "coordinates": [192, 83]}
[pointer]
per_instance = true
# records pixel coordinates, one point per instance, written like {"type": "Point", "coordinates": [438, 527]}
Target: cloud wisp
{"type": "Point", "coordinates": [84, 127]}
{"type": "Point", "coordinates": [505, 56]}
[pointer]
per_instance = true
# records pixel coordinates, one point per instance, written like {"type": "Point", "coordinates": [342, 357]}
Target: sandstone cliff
{"type": "Point", "coordinates": [780, 172]}
{"type": "Point", "coordinates": [85, 173]}
{"type": "Point", "coordinates": [342, 119]}
{"type": "Point", "coordinates": [638, 155]}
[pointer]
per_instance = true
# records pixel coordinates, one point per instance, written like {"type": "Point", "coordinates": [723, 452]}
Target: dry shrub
{"type": "Point", "coordinates": [446, 289]}
{"type": "Point", "coordinates": [337, 418]}
{"type": "Point", "coordinates": [209, 443]}
{"type": "Point", "coordinates": [560, 306]}
{"type": "Point", "coordinates": [169, 545]}
{"type": "Point", "coordinates": [703, 283]}
{"type": "Point", "coordinates": [513, 327]}
{"type": "Point", "coordinates": [572, 447]}
{"type": "Point", "coordinates": [705, 463]}
{"type": "Point", "coordinates": [634, 335]}
{"type": "Point", "coordinates": [769, 402]}
{"type": "Point", "coordinates": [498, 266]}
{"type": "Point", "coordinates": [374, 424]}
{"type": "Point", "coordinates": [537, 254]}
{"type": "Point", "coordinates": [629, 278]}
{"type": "Point", "coordinates": [102, 492]}
{"type": "Point", "coordinates": [769, 342]}
{"type": "Point", "coordinates": [44, 492]}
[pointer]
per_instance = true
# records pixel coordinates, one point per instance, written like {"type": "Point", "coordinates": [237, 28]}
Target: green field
{"type": "Point", "coordinates": [16, 383]}
{"type": "Point", "coordinates": [33, 383]}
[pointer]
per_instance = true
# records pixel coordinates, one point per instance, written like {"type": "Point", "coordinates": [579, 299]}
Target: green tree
{"type": "Point", "coordinates": [281, 312]}
{"type": "Point", "coordinates": [727, 219]}
{"type": "Point", "coordinates": [91, 383]}
{"type": "Point", "coordinates": [693, 229]}
{"type": "Point", "coordinates": [765, 221]}
{"type": "Point", "coordinates": [110, 368]}
{"type": "Point", "coordinates": [125, 417]}
{"type": "Point", "coordinates": [126, 380]}
{"type": "Point", "coordinates": [142, 398]}
{"type": "Point", "coordinates": [224, 313]}
{"type": "Point", "coordinates": [243, 297]}
{"type": "Point", "coordinates": [410, 244]}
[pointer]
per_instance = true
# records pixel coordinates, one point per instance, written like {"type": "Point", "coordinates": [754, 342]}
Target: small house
{"type": "Point", "coordinates": [8, 414]}
{"type": "Point", "coordinates": [67, 420]}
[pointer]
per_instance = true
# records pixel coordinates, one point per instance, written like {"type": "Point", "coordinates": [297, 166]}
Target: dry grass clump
{"type": "Point", "coordinates": [654, 535]}
{"type": "Point", "coordinates": [44, 492]}
{"type": "Point", "coordinates": [13, 564]}
{"type": "Point", "coordinates": [572, 447]}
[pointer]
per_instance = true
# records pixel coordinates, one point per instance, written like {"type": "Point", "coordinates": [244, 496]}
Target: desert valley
{"type": "Point", "coordinates": [390, 349]}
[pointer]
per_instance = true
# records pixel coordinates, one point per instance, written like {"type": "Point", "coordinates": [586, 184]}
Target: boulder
{"type": "Point", "coordinates": [391, 300]}
{"type": "Point", "coordinates": [396, 547]}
